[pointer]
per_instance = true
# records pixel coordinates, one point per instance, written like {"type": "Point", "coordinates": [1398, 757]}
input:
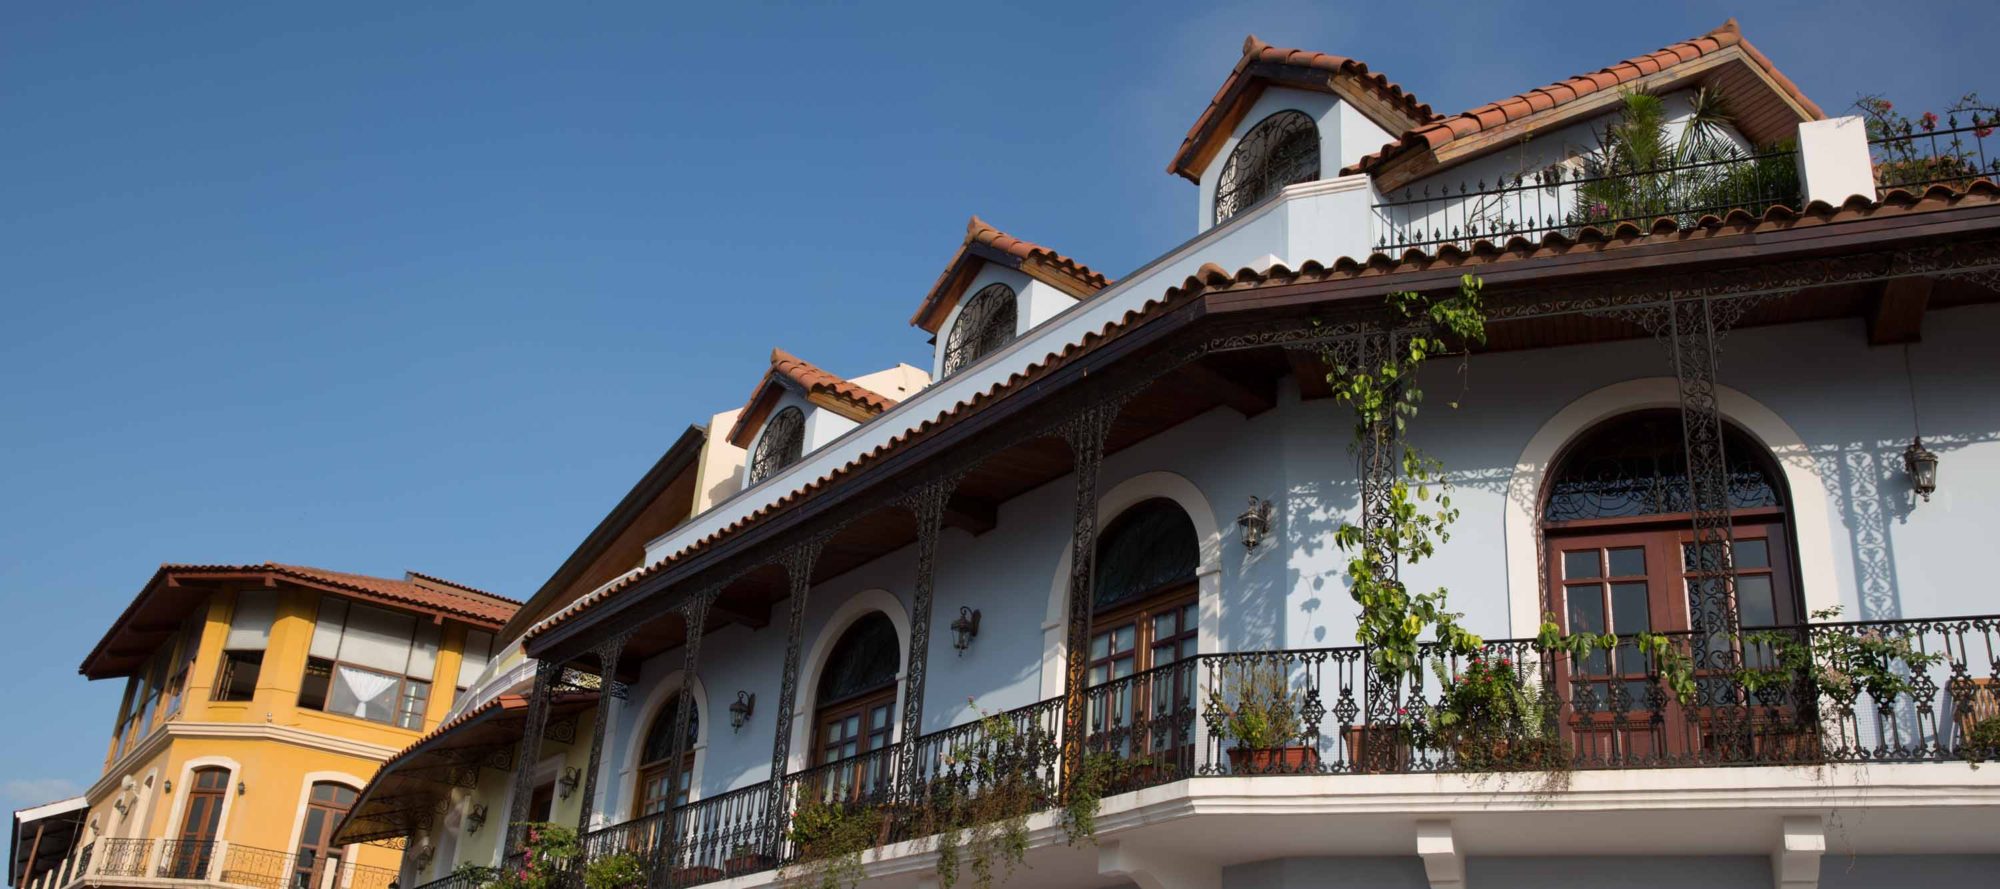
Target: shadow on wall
{"type": "Point", "coordinates": [1313, 512]}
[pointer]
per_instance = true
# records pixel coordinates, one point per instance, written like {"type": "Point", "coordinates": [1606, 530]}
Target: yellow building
{"type": "Point", "coordinates": [259, 700]}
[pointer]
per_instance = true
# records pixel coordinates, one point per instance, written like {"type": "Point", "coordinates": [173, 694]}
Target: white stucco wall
{"type": "Point", "coordinates": [1345, 135]}
{"type": "Point", "coordinates": [1847, 404]}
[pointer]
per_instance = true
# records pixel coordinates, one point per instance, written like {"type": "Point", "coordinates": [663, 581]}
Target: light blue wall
{"type": "Point", "coordinates": [1849, 404]}
{"type": "Point", "coordinates": [1627, 872]}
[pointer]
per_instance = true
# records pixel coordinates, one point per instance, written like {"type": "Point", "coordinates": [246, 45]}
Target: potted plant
{"type": "Point", "coordinates": [1492, 719]}
{"type": "Point", "coordinates": [827, 841]}
{"type": "Point", "coordinates": [619, 870]}
{"type": "Point", "coordinates": [746, 859]}
{"type": "Point", "coordinates": [1260, 712]}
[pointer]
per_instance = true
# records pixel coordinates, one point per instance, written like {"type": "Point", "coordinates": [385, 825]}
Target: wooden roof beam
{"type": "Point", "coordinates": [1246, 397]}
{"type": "Point", "coordinates": [1898, 315]}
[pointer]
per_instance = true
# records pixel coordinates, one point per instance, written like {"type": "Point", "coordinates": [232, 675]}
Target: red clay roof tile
{"type": "Point", "coordinates": [860, 401]}
{"type": "Point", "coordinates": [1031, 259]}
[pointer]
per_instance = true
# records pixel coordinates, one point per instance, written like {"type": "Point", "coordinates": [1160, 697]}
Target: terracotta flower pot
{"type": "Point", "coordinates": [1377, 749]}
{"type": "Point", "coordinates": [689, 876]}
{"type": "Point", "coordinates": [1294, 760]}
{"type": "Point", "coordinates": [747, 863]}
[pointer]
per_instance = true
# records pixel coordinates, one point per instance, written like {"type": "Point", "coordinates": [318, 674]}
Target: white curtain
{"type": "Point", "coordinates": [366, 687]}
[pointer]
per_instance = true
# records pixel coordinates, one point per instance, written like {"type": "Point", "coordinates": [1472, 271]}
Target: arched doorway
{"type": "Point", "coordinates": [326, 804]}
{"type": "Point", "coordinates": [854, 706]}
{"type": "Point", "coordinates": [657, 773]}
{"type": "Point", "coordinates": [1620, 558]}
{"type": "Point", "coordinates": [201, 824]}
{"type": "Point", "coordinates": [1145, 616]}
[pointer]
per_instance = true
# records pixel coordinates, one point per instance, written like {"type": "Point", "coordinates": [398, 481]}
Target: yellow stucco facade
{"type": "Point", "coordinates": [160, 810]}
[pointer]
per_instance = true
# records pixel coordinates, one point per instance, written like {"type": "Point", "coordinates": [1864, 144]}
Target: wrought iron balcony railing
{"type": "Point", "coordinates": [1565, 199]}
{"type": "Point", "coordinates": [1952, 155]}
{"type": "Point", "coordinates": [1863, 692]}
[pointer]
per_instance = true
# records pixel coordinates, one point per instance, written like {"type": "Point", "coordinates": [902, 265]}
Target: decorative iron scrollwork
{"type": "Point", "coordinates": [1280, 150]}
{"type": "Point", "coordinates": [781, 445]}
{"type": "Point", "coordinates": [984, 325]}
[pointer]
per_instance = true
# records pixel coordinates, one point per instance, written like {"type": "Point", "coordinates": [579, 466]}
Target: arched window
{"type": "Point", "coordinates": [201, 824]}
{"type": "Point", "coordinates": [855, 703]}
{"type": "Point", "coordinates": [325, 806]}
{"type": "Point", "coordinates": [655, 769]}
{"type": "Point", "coordinates": [1280, 150]}
{"type": "Point", "coordinates": [1144, 616]}
{"type": "Point", "coordinates": [781, 445]}
{"type": "Point", "coordinates": [984, 324]}
{"type": "Point", "coordinates": [1617, 521]}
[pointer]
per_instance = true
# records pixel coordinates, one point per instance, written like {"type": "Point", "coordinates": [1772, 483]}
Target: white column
{"type": "Point", "coordinates": [1834, 163]}
{"type": "Point", "coordinates": [1151, 868]}
{"type": "Point", "coordinates": [215, 858]}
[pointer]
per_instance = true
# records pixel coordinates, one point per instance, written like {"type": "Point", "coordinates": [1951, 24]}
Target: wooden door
{"type": "Point", "coordinates": [849, 728]}
{"type": "Point", "coordinates": [1623, 583]}
{"type": "Point", "coordinates": [317, 856]}
{"type": "Point", "coordinates": [188, 858]}
{"type": "Point", "coordinates": [1145, 717]}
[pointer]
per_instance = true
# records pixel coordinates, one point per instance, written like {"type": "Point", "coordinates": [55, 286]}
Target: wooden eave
{"type": "Point", "coordinates": [1193, 161]}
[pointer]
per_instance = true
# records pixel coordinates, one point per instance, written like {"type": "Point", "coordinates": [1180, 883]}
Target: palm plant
{"type": "Point", "coordinates": [1647, 166]}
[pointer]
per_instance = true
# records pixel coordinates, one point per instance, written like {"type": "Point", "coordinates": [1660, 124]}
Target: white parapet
{"type": "Point", "coordinates": [1834, 163]}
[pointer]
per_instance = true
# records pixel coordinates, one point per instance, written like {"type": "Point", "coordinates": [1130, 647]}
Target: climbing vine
{"type": "Point", "coordinates": [1383, 391]}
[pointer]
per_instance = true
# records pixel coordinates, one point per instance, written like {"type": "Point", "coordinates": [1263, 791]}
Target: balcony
{"type": "Point", "coordinates": [1563, 199]}
{"type": "Point", "coordinates": [1862, 693]}
{"type": "Point", "coordinates": [121, 861]}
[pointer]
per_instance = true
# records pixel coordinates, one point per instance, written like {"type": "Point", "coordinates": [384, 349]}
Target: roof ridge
{"type": "Point", "coordinates": [1035, 261]}
{"type": "Point", "coordinates": [464, 588]}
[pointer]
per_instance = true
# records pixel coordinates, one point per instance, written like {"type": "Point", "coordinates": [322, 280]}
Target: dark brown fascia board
{"type": "Point", "coordinates": [678, 457]}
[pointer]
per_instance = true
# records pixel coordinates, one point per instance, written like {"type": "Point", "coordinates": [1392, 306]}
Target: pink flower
{"type": "Point", "coordinates": [1982, 132]}
{"type": "Point", "coordinates": [1883, 105]}
{"type": "Point", "coordinates": [1929, 121]}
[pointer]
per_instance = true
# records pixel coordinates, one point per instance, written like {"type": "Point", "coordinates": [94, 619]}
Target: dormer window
{"type": "Point", "coordinates": [984, 326]}
{"type": "Point", "coordinates": [782, 444]}
{"type": "Point", "coordinates": [1280, 150]}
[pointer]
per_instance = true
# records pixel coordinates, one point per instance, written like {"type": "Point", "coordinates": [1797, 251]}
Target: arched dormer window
{"type": "Point", "coordinates": [656, 772]}
{"type": "Point", "coordinates": [1144, 616]}
{"type": "Point", "coordinates": [781, 445]}
{"type": "Point", "coordinates": [985, 324]}
{"type": "Point", "coordinates": [1280, 150]}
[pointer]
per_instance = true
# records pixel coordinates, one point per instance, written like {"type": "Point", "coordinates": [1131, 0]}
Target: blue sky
{"type": "Point", "coordinates": [427, 287]}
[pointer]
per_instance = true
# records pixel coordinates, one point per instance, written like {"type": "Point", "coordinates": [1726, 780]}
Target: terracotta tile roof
{"type": "Point", "coordinates": [1212, 279]}
{"type": "Point", "coordinates": [983, 242]}
{"type": "Point", "coordinates": [1442, 131]}
{"type": "Point", "coordinates": [441, 595]}
{"type": "Point", "coordinates": [850, 400]}
{"type": "Point", "coordinates": [1383, 101]}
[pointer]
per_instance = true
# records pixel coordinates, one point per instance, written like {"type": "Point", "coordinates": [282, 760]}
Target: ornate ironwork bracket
{"type": "Point", "coordinates": [927, 503]}
{"type": "Point", "coordinates": [1086, 431]}
{"type": "Point", "coordinates": [547, 674]}
{"type": "Point", "coordinates": [608, 652]}
{"type": "Point", "coordinates": [694, 615]}
{"type": "Point", "coordinates": [798, 561]}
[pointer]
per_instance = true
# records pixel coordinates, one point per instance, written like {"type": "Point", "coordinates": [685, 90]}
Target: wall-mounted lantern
{"type": "Point", "coordinates": [964, 629]}
{"type": "Point", "coordinates": [239, 788]}
{"type": "Point", "coordinates": [567, 783]}
{"type": "Point", "coordinates": [1922, 466]}
{"type": "Point", "coordinates": [475, 818]}
{"type": "Point", "coordinates": [739, 712]}
{"type": "Point", "coordinates": [167, 786]}
{"type": "Point", "coordinates": [1255, 522]}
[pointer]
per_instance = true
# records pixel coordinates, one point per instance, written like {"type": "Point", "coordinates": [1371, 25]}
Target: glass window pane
{"type": "Point", "coordinates": [1581, 563]}
{"type": "Point", "coordinates": [1100, 645]}
{"type": "Point", "coordinates": [1121, 668]}
{"type": "Point", "coordinates": [1163, 625]}
{"type": "Point", "coordinates": [363, 693]}
{"type": "Point", "coordinates": [1189, 620]}
{"type": "Point", "coordinates": [377, 639]}
{"type": "Point", "coordinates": [1627, 561]}
{"type": "Point", "coordinates": [250, 625]}
{"type": "Point", "coordinates": [1753, 553]}
{"type": "Point", "coordinates": [1586, 608]}
{"type": "Point", "coordinates": [1630, 611]}
{"type": "Point", "coordinates": [1123, 638]}
{"type": "Point", "coordinates": [1754, 601]}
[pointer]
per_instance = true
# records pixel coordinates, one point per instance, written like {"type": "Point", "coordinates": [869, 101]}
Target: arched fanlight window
{"type": "Point", "coordinates": [1280, 150]}
{"type": "Point", "coordinates": [1636, 465]}
{"type": "Point", "coordinates": [781, 445]}
{"type": "Point", "coordinates": [985, 324]}
{"type": "Point", "coordinates": [1148, 548]}
{"type": "Point", "coordinates": [855, 703]}
{"type": "Point", "coordinates": [656, 772]}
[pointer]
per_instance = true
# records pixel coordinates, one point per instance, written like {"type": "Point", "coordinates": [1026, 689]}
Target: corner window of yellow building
{"type": "Point", "coordinates": [243, 648]}
{"type": "Point", "coordinates": [370, 663]}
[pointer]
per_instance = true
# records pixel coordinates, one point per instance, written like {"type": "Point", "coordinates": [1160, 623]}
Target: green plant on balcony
{"type": "Point", "coordinates": [1406, 524]}
{"type": "Point", "coordinates": [1647, 165]}
{"type": "Point", "coordinates": [828, 838]}
{"type": "Point", "coordinates": [1255, 706]}
{"type": "Point", "coordinates": [1844, 666]}
{"type": "Point", "coordinates": [979, 810]}
{"type": "Point", "coordinates": [619, 870]}
{"type": "Point", "coordinates": [1671, 667]}
{"type": "Point", "coordinates": [1905, 152]}
{"type": "Point", "coordinates": [546, 852]}
{"type": "Point", "coordinates": [1981, 742]}
{"type": "Point", "coordinates": [1494, 720]}
{"type": "Point", "coordinates": [1100, 773]}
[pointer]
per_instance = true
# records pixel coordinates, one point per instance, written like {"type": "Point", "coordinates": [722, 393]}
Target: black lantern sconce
{"type": "Point", "coordinates": [964, 629]}
{"type": "Point", "coordinates": [475, 818]}
{"type": "Point", "coordinates": [739, 712]}
{"type": "Point", "coordinates": [1922, 466]}
{"type": "Point", "coordinates": [566, 784]}
{"type": "Point", "coordinates": [1255, 522]}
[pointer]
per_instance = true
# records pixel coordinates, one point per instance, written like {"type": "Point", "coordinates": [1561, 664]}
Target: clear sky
{"type": "Point", "coordinates": [380, 287]}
